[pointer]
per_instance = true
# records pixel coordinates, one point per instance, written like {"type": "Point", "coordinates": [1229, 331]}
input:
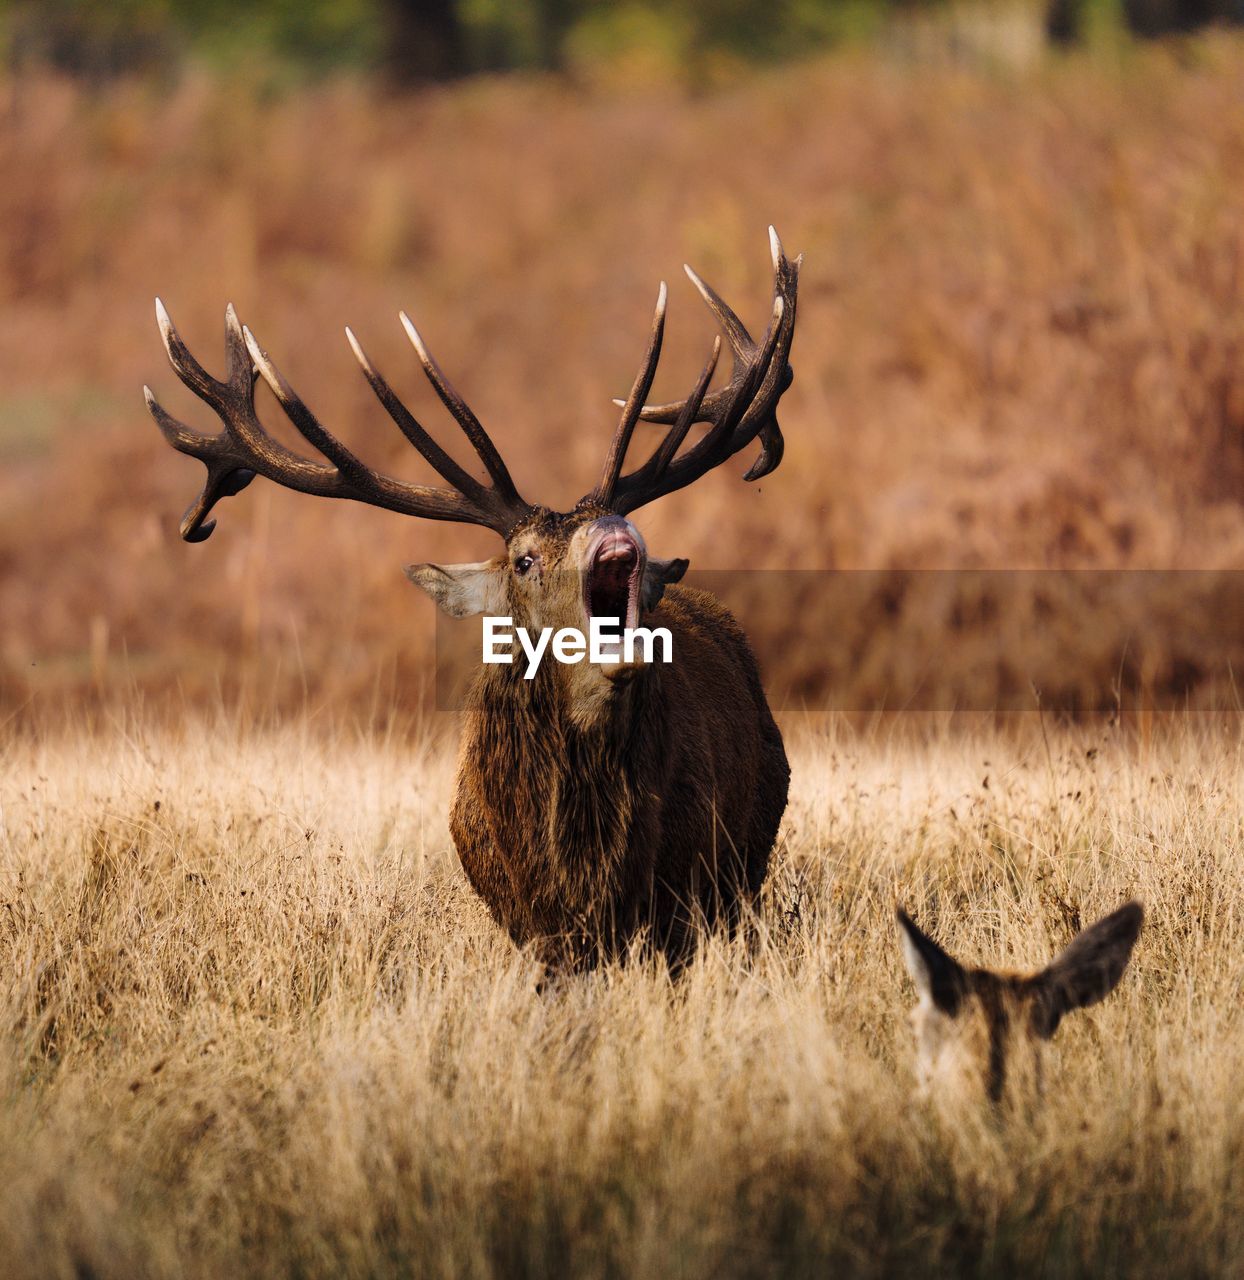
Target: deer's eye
{"type": "Point", "coordinates": [522, 564]}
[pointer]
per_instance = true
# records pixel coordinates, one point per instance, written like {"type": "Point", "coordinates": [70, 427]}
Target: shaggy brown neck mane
{"type": "Point", "coordinates": [561, 792]}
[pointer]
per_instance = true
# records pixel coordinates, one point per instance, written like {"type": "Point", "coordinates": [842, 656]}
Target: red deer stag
{"type": "Point", "coordinates": [592, 801]}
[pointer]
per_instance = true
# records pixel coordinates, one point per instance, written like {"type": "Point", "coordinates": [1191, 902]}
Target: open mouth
{"type": "Point", "coordinates": [611, 584]}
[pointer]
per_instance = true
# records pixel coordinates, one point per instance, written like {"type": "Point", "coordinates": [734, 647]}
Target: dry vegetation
{"type": "Point", "coordinates": [254, 1024]}
{"type": "Point", "coordinates": [1021, 342]}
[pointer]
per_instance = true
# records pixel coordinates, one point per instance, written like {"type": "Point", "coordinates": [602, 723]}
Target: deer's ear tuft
{"type": "Point", "coordinates": [939, 978]}
{"type": "Point", "coordinates": [1088, 970]}
{"type": "Point", "coordinates": [658, 574]}
{"type": "Point", "coordinates": [461, 590]}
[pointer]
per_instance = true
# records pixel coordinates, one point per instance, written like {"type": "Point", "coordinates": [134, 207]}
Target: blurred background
{"type": "Point", "coordinates": [1020, 343]}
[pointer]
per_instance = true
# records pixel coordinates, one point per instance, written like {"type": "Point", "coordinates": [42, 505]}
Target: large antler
{"type": "Point", "coordinates": [244, 449]}
{"type": "Point", "coordinates": [739, 412]}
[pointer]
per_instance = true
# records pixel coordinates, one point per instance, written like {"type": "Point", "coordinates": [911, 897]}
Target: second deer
{"type": "Point", "coordinates": [984, 1030]}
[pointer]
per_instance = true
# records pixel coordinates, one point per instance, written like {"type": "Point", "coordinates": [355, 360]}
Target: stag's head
{"type": "Point", "coordinates": [981, 1031]}
{"type": "Point", "coordinates": [558, 569]}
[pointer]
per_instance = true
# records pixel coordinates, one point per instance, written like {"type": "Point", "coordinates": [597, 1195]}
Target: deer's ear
{"type": "Point", "coordinates": [939, 978]}
{"type": "Point", "coordinates": [658, 574]}
{"type": "Point", "coordinates": [461, 590]}
{"type": "Point", "coordinates": [1088, 970]}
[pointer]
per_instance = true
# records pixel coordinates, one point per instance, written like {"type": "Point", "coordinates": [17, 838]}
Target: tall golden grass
{"type": "Point", "coordinates": [1021, 335]}
{"type": "Point", "coordinates": [253, 1023]}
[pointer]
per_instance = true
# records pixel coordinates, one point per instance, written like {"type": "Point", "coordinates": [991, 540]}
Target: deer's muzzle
{"type": "Point", "coordinates": [615, 566]}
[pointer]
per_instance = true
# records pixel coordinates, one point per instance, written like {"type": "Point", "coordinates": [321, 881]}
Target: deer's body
{"type": "Point", "coordinates": [661, 807]}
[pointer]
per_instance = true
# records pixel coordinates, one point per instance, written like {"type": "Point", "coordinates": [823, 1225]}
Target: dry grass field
{"type": "Point", "coordinates": [252, 1020]}
{"type": "Point", "coordinates": [254, 1023]}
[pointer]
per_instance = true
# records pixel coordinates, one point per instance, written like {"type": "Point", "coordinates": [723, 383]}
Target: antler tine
{"type": "Point", "coordinates": [772, 445]}
{"type": "Point", "coordinates": [661, 474]}
{"type": "Point", "coordinates": [410, 426]}
{"type": "Point", "coordinates": [665, 451]}
{"type": "Point", "coordinates": [740, 340]}
{"type": "Point", "coordinates": [480, 440]}
{"type": "Point", "coordinates": [307, 424]}
{"type": "Point", "coordinates": [739, 412]}
{"type": "Point", "coordinates": [224, 476]}
{"type": "Point", "coordinates": [603, 493]}
{"type": "Point", "coordinates": [725, 438]}
{"type": "Point", "coordinates": [187, 368]}
{"type": "Point", "coordinates": [244, 448]}
{"type": "Point", "coordinates": [742, 346]}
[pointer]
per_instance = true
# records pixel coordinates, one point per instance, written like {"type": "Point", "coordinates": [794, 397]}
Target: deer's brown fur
{"type": "Point", "coordinates": [658, 808]}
